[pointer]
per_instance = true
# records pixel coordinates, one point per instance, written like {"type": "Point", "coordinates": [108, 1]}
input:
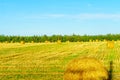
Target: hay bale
{"type": "Point", "coordinates": [110, 44]}
{"type": "Point", "coordinates": [85, 69]}
{"type": "Point", "coordinates": [68, 41]}
{"type": "Point", "coordinates": [47, 42]}
{"type": "Point", "coordinates": [22, 42]}
{"type": "Point", "coordinates": [6, 42]}
{"type": "Point", "coordinates": [59, 42]}
{"type": "Point", "coordinates": [32, 42]}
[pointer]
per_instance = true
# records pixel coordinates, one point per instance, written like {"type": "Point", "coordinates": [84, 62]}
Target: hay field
{"type": "Point", "coordinates": [47, 61]}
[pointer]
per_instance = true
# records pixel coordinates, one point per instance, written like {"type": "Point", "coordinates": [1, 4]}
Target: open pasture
{"type": "Point", "coordinates": [47, 61]}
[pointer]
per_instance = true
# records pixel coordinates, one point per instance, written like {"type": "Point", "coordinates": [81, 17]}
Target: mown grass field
{"type": "Point", "coordinates": [47, 61]}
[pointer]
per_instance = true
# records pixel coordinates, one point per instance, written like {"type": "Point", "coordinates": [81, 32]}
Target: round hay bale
{"type": "Point", "coordinates": [85, 69]}
{"type": "Point", "coordinates": [59, 42]}
{"type": "Point", "coordinates": [22, 42]}
{"type": "Point", "coordinates": [110, 44]}
{"type": "Point", "coordinates": [32, 42]}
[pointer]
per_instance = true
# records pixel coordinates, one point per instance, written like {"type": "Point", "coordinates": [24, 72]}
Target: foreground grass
{"type": "Point", "coordinates": [47, 61]}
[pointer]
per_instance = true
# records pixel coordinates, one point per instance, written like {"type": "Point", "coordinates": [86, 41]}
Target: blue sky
{"type": "Point", "coordinates": [39, 17]}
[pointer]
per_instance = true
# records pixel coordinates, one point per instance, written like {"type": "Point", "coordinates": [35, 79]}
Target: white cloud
{"type": "Point", "coordinates": [92, 16]}
{"type": "Point", "coordinates": [56, 15]}
{"type": "Point", "coordinates": [98, 16]}
{"type": "Point", "coordinates": [83, 16]}
{"type": "Point", "coordinates": [44, 16]}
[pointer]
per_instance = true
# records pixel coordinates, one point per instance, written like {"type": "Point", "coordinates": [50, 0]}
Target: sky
{"type": "Point", "coordinates": [60, 17]}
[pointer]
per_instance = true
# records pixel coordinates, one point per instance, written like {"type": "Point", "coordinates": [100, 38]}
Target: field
{"type": "Point", "coordinates": [47, 61]}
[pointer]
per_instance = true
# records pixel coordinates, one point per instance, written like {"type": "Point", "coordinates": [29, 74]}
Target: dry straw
{"type": "Point", "coordinates": [85, 69]}
{"type": "Point", "coordinates": [22, 42]}
{"type": "Point", "coordinates": [32, 41]}
{"type": "Point", "coordinates": [110, 44]}
{"type": "Point", "coordinates": [90, 40]}
{"type": "Point", "coordinates": [96, 40]}
{"type": "Point", "coordinates": [47, 41]}
{"type": "Point", "coordinates": [6, 42]}
{"type": "Point", "coordinates": [68, 41]}
{"type": "Point", "coordinates": [59, 41]}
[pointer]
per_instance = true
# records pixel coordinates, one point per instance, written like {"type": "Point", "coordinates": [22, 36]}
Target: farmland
{"type": "Point", "coordinates": [47, 61]}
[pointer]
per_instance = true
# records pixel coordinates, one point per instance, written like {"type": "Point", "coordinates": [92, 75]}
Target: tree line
{"type": "Point", "coordinates": [62, 38]}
